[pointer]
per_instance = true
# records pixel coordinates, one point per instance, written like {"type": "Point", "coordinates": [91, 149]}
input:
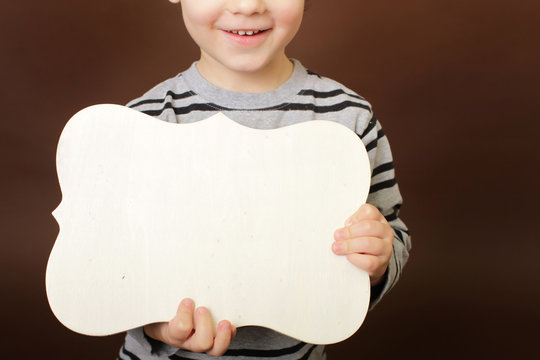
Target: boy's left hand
{"type": "Point", "coordinates": [367, 240]}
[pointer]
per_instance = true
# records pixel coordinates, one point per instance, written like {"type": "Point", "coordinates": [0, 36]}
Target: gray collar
{"type": "Point", "coordinates": [238, 100]}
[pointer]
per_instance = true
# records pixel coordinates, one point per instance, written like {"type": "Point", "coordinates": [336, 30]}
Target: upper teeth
{"type": "Point", "coordinates": [240, 32]}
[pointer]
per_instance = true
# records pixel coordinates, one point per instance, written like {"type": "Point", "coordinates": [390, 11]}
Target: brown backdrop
{"type": "Point", "coordinates": [454, 83]}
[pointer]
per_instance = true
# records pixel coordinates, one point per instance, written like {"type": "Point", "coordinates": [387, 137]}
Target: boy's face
{"type": "Point", "coordinates": [242, 35]}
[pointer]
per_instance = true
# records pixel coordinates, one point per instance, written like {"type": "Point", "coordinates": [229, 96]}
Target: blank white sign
{"type": "Point", "coordinates": [238, 219]}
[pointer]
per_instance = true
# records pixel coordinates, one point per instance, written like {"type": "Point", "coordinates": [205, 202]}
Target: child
{"type": "Point", "coordinates": [243, 72]}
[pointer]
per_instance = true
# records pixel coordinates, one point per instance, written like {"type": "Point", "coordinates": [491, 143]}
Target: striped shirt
{"type": "Point", "coordinates": [306, 96]}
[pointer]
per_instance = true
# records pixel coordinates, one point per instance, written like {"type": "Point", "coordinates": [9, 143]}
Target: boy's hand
{"type": "Point", "coordinates": [367, 241]}
{"type": "Point", "coordinates": [193, 330]}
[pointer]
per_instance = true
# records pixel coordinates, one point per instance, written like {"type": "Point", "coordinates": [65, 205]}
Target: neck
{"type": "Point", "coordinates": [268, 78]}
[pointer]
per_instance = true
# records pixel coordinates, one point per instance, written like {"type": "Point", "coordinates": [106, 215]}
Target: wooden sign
{"type": "Point", "coordinates": [238, 219]}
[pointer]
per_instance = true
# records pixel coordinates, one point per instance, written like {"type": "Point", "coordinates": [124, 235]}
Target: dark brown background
{"type": "Point", "coordinates": [455, 84]}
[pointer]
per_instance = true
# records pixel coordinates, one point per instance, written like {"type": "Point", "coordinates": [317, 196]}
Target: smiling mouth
{"type": "Point", "coordinates": [246, 32]}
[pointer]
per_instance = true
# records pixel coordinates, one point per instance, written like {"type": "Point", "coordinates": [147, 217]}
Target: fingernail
{"type": "Point", "coordinates": [338, 247]}
{"type": "Point", "coordinates": [202, 311]}
{"type": "Point", "coordinates": [340, 234]}
{"type": "Point", "coordinates": [223, 326]}
{"type": "Point", "coordinates": [349, 222]}
{"type": "Point", "coordinates": [187, 302]}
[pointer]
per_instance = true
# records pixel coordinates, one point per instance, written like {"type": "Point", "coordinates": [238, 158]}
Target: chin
{"type": "Point", "coordinates": [247, 64]}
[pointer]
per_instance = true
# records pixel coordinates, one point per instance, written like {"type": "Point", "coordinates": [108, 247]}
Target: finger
{"type": "Point", "coordinates": [203, 338]}
{"type": "Point", "coordinates": [223, 339]}
{"type": "Point", "coordinates": [365, 212]}
{"type": "Point", "coordinates": [373, 265]}
{"type": "Point", "coordinates": [371, 228]}
{"type": "Point", "coordinates": [181, 327]}
{"type": "Point", "coordinates": [369, 263]}
{"type": "Point", "coordinates": [156, 331]}
{"type": "Point", "coordinates": [363, 245]}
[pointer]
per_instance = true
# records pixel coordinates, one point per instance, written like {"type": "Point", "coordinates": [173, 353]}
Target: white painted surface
{"type": "Point", "coordinates": [240, 220]}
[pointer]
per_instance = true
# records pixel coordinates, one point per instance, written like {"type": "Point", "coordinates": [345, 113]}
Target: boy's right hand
{"type": "Point", "coordinates": [193, 330]}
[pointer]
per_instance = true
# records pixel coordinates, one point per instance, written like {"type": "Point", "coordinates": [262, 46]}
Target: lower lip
{"type": "Point", "coordinates": [247, 40]}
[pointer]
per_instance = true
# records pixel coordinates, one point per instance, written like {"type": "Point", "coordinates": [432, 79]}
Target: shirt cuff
{"type": "Point", "coordinates": [378, 291]}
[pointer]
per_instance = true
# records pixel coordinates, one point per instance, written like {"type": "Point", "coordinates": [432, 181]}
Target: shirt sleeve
{"type": "Point", "coordinates": [384, 194]}
{"type": "Point", "coordinates": [149, 345]}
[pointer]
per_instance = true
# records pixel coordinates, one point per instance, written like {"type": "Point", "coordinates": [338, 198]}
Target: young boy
{"type": "Point", "coordinates": [243, 72]}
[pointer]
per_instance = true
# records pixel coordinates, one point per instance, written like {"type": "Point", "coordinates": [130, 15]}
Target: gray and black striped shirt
{"type": "Point", "coordinates": [306, 96]}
